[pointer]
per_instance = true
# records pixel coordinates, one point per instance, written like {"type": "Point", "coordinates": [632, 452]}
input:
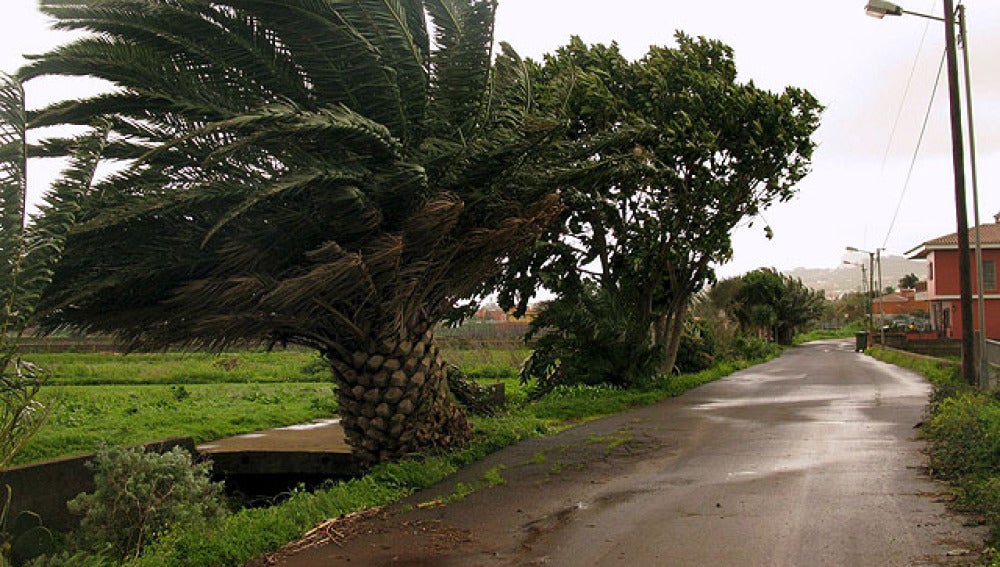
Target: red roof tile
{"type": "Point", "coordinates": [989, 234]}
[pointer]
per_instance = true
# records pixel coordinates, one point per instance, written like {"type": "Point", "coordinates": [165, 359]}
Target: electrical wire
{"type": "Point", "coordinates": [906, 92]}
{"type": "Point", "coordinates": [916, 150]}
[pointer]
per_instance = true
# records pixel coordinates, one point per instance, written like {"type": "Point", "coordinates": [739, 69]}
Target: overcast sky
{"type": "Point", "coordinates": [857, 66]}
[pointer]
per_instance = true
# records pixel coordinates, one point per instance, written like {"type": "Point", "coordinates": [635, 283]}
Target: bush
{"type": "Point", "coordinates": [697, 350]}
{"type": "Point", "coordinates": [591, 338]}
{"type": "Point", "coordinates": [966, 434]}
{"type": "Point", "coordinates": [139, 495]}
{"type": "Point", "coordinates": [752, 348]}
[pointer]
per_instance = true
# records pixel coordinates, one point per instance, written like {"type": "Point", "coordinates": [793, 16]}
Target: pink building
{"type": "Point", "coordinates": [942, 280]}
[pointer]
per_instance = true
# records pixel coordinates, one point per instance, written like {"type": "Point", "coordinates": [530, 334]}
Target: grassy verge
{"type": "Point", "coordinates": [576, 403]}
{"type": "Point", "coordinates": [963, 427]}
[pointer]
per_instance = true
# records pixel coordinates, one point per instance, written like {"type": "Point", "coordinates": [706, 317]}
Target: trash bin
{"type": "Point", "coordinates": [861, 341]}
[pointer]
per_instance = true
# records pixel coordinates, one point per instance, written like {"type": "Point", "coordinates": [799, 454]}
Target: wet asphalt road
{"type": "Point", "coordinates": [810, 459]}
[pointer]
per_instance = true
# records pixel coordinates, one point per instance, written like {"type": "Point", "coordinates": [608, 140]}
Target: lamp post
{"type": "Point", "coordinates": [879, 9]}
{"type": "Point", "coordinates": [875, 259]}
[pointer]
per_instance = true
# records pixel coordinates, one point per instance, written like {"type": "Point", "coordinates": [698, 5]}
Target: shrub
{"type": "Point", "coordinates": [590, 338]}
{"type": "Point", "coordinates": [697, 350]}
{"type": "Point", "coordinates": [966, 433]}
{"type": "Point", "coordinates": [139, 495]}
{"type": "Point", "coordinates": [752, 348]}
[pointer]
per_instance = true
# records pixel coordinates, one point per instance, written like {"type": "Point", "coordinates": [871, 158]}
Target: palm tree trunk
{"type": "Point", "coordinates": [395, 401]}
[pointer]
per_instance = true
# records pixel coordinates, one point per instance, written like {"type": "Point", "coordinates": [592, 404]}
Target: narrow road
{"type": "Point", "coordinates": [810, 459]}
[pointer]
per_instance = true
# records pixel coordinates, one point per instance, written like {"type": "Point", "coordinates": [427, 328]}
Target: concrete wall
{"type": "Point", "coordinates": [934, 347]}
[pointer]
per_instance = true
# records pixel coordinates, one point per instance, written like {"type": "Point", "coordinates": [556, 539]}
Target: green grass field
{"type": "Point", "coordinates": [115, 399]}
{"type": "Point", "coordinates": [83, 369]}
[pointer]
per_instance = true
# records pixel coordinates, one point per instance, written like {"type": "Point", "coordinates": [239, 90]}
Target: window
{"type": "Point", "coordinates": [989, 276]}
{"type": "Point", "coordinates": [930, 271]}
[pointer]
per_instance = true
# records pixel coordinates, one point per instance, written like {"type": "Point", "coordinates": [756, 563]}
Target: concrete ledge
{"type": "Point", "coordinates": [315, 448]}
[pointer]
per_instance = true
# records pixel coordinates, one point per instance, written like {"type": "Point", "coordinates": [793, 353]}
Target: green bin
{"type": "Point", "coordinates": [861, 341]}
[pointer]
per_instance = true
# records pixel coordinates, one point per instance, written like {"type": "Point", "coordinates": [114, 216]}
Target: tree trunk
{"type": "Point", "coordinates": [395, 401]}
{"type": "Point", "coordinates": [673, 340]}
{"type": "Point", "coordinates": [659, 331]}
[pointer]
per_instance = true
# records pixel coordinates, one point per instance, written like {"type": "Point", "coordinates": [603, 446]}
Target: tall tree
{"type": "Point", "coordinates": [669, 154]}
{"type": "Point", "coordinates": [776, 304]}
{"type": "Point", "coordinates": [320, 172]}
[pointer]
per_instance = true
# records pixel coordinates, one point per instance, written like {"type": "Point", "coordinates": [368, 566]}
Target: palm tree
{"type": "Point", "coordinates": [327, 173]}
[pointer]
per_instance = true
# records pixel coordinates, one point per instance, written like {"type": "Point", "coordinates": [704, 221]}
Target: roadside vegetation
{"type": "Point", "coordinates": [963, 427]}
{"type": "Point", "coordinates": [241, 535]}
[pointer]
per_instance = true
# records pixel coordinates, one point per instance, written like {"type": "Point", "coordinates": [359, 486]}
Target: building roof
{"type": "Point", "coordinates": [989, 237]}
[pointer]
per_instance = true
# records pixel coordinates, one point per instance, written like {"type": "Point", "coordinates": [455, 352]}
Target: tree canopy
{"type": "Point", "coordinates": [909, 281]}
{"type": "Point", "coordinates": [666, 156]}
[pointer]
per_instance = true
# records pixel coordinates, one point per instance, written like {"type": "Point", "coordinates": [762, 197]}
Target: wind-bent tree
{"type": "Point", "coordinates": [775, 304]}
{"type": "Point", "coordinates": [328, 173]}
{"type": "Point", "coordinates": [670, 153]}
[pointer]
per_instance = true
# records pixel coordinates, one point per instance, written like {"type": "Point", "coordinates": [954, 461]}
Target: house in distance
{"type": "Point", "coordinates": [943, 282]}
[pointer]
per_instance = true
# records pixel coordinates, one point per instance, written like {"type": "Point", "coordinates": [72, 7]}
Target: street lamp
{"type": "Point", "coordinates": [875, 259]}
{"type": "Point", "coordinates": [879, 9]}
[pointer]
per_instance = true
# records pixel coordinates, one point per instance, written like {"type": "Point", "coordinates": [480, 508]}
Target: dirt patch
{"type": "Point", "coordinates": [413, 538]}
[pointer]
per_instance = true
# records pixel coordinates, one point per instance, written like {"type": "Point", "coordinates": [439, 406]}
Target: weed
{"type": "Point", "coordinates": [537, 459]}
{"type": "Point", "coordinates": [180, 393]}
{"type": "Point", "coordinates": [494, 477]}
{"type": "Point", "coordinates": [613, 440]}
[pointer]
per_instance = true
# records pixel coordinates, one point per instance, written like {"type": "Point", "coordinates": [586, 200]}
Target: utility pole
{"type": "Point", "coordinates": [881, 302]}
{"type": "Point", "coordinates": [961, 212]}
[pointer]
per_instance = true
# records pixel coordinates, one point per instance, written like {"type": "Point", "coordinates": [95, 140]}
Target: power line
{"type": "Point", "coordinates": [906, 92]}
{"type": "Point", "coordinates": [916, 150]}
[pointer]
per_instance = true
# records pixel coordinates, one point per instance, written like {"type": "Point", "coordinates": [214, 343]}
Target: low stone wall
{"type": "Point", "coordinates": [44, 488]}
{"type": "Point", "coordinates": [940, 348]}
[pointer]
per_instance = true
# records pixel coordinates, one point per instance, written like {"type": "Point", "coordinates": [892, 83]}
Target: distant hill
{"type": "Point", "coordinates": [846, 278]}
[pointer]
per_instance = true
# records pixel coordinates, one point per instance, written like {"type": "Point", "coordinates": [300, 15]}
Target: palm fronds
{"type": "Point", "coordinates": [13, 190]}
{"type": "Point", "coordinates": [314, 171]}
